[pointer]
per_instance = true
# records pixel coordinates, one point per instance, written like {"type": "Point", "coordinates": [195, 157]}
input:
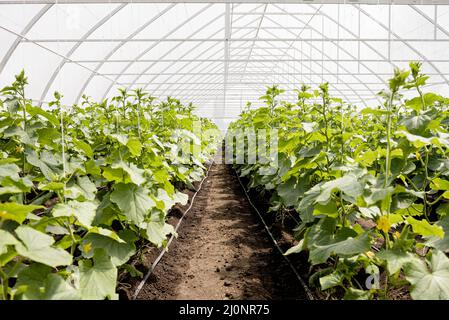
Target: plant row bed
{"type": "Point", "coordinates": [367, 189]}
{"type": "Point", "coordinates": [84, 188]}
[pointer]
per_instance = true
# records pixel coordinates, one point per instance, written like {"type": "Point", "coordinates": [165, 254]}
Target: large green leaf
{"type": "Point", "coordinates": [84, 212]}
{"type": "Point", "coordinates": [416, 124]}
{"type": "Point", "coordinates": [331, 280]}
{"type": "Point", "coordinates": [120, 252]}
{"type": "Point", "coordinates": [437, 242]}
{"type": "Point", "coordinates": [34, 159]}
{"type": "Point", "coordinates": [429, 279]}
{"type": "Point", "coordinates": [38, 283]}
{"type": "Point", "coordinates": [41, 112]}
{"type": "Point", "coordinates": [15, 211]}
{"type": "Point", "coordinates": [6, 239]}
{"type": "Point", "coordinates": [37, 246]}
{"type": "Point", "coordinates": [348, 184]}
{"type": "Point", "coordinates": [290, 191]}
{"type": "Point", "coordinates": [424, 228]}
{"type": "Point", "coordinates": [395, 259]}
{"type": "Point", "coordinates": [84, 147]}
{"type": "Point", "coordinates": [83, 189]}
{"type": "Point", "coordinates": [98, 279]}
{"type": "Point", "coordinates": [348, 247]}
{"type": "Point", "coordinates": [122, 172]}
{"type": "Point", "coordinates": [134, 146]}
{"type": "Point", "coordinates": [439, 184]}
{"type": "Point", "coordinates": [158, 230]}
{"type": "Point", "coordinates": [9, 170]}
{"type": "Point", "coordinates": [133, 201]}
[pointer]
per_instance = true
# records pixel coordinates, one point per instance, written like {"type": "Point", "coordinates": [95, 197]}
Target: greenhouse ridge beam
{"type": "Point", "coordinates": [239, 40]}
{"type": "Point", "coordinates": [204, 67]}
{"type": "Point", "coordinates": [373, 2]}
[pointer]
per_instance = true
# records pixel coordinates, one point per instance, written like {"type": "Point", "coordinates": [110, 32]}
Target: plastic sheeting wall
{"type": "Point", "coordinates": [190, 51]}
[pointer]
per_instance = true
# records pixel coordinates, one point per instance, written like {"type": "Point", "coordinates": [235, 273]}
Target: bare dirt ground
{"type": "Point", "coordinates": [222, 251]}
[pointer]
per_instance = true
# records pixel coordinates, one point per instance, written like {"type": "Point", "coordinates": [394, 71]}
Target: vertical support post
{"type": "Point", "coordinates": [435, 22]}
{"type": "Point", "coordinates": [358, 42]}
{"type": "Point", "coordinates": [322, 50]}
{"type": "Point", "coordinates": [338, 43]}
{"type": "Point", "coordinates": [389, 32]}
{"type": "Point", "coordinates": [226, 53]}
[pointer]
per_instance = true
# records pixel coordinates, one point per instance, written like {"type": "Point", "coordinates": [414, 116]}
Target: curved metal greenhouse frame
{"type": "Point", "coordinates": [220, 54]}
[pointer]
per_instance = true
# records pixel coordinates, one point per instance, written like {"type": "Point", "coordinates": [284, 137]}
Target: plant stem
{"type": "Point", "coordinates": [426, 182]}
{"type": "Point", "coordinates": [72, 236]}
{"type": "Point", "coordinates": [63, 151]}
{"type": "Point", "coordinates": [388, 155]}
{"type": "Point", "coordinates": [4, 278]}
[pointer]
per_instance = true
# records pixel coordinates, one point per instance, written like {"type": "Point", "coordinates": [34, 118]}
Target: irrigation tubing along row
{"type": "Point", "coordinates": [155, 263]}
{"type": "Point", "coordinates": [304, 285]}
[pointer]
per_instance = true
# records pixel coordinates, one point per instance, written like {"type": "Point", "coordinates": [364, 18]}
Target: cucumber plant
{"type": "Point", "coordinates": [369, 187]}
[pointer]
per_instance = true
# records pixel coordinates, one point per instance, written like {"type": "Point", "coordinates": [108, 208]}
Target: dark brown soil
{"type": "Point", "coordinates": [222, 251]}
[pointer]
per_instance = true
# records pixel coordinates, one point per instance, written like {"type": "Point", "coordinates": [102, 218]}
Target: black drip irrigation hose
{"type": "Point", "coordinates": [158, 259]}
{"type": "Point", "coordinates": [303, 284]}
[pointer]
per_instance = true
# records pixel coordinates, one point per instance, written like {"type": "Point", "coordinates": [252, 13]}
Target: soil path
{"type": "Point", "coordinates": [222, 251]}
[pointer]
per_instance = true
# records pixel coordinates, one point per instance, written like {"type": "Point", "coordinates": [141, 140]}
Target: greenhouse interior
{"type": "Point", "coordinates": [224, 150]}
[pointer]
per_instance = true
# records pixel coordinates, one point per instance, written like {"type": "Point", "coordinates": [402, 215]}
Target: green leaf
{"type": "Point", "coordinates": [84, 147]}
{"type": "Point", "coordinates": [437, 242]}
{"type": "Point", "coordinates": [429, 99]}
{"type": "Point", "coordinates": [121, 138]}
{"type": "Point", "coordinates": [56, 288]}
{"type": "Point", "coordinates": [120, 253]}
{"type": "Point", "coordinates": [424, 228]}
{"type": "Point", "coordinates": [331, 280]}
{"type": "Point", "coordinates": [40, 284]}
{"type": "Point", "coordinates": [132, 270]}
{"type": "Point", "coordinates": [51, 186]}
{"type": "Point", "coordinates": [370, 212]}
{"type": "Point", "coordinates": [15, 211]}
{"type": "Point", "coordinates": [429, 279]}
{"type": "Point", "coordinates": [348, 247]}
{"type": "Point", "coordinates": [121, 172]}
{"type": "Point", "coordinates": [330, 209]}
{"type": "Point", "coordinates": [439, 184]}
{"type": "Point", "coordinates": [98, 280]}
{"type": "Point", "coordinates": [9, 170]}
{"type": "Point", "coordinates": [134, 146]}
{"type": "Point", "coordinates": [82, 190]}
{"type": "Point", "coordinates": [416, 124]}
{"type": "Point", "coordinates": [378, 194]}
{"type": "Point", "coordinates": [180, 198]}
{"type": "Point", "coordinates": [419, 141]}
{"type": "Point", "coordinates": [84, 212]}
{"type": "Point", "coordinates": [33, 159]}
{"type": "Point", "coordinates": [6, 239]}
{"type": "Point", "coordinates": [133, 201]}
{"type": "Point", "coordinates": [395, 259]}
{"type": "Point", "coordinates": [39, 111]}
{"type": "Point", "coordinates": [289, 192]}
{"type": "Point", "coordinates": [347, 184]}
{"type": "Point", "coordinates": [107, 233]}
{"type": "Point", "coordinates": [92, 168]}
{"type": "Point", "coordinates": [158, 230]}
{"type": "Point", "coordinates": [357, 294]}
{"type": "Point", "coordinates": [37, 246]}
{"type": "Point", "coordinates": [296, 248]}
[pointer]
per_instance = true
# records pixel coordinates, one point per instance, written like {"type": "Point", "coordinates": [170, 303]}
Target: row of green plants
{"type": "Point", "coordinates": [367, 188]}
{"type": "Point", "coordinates": [84, 188]}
